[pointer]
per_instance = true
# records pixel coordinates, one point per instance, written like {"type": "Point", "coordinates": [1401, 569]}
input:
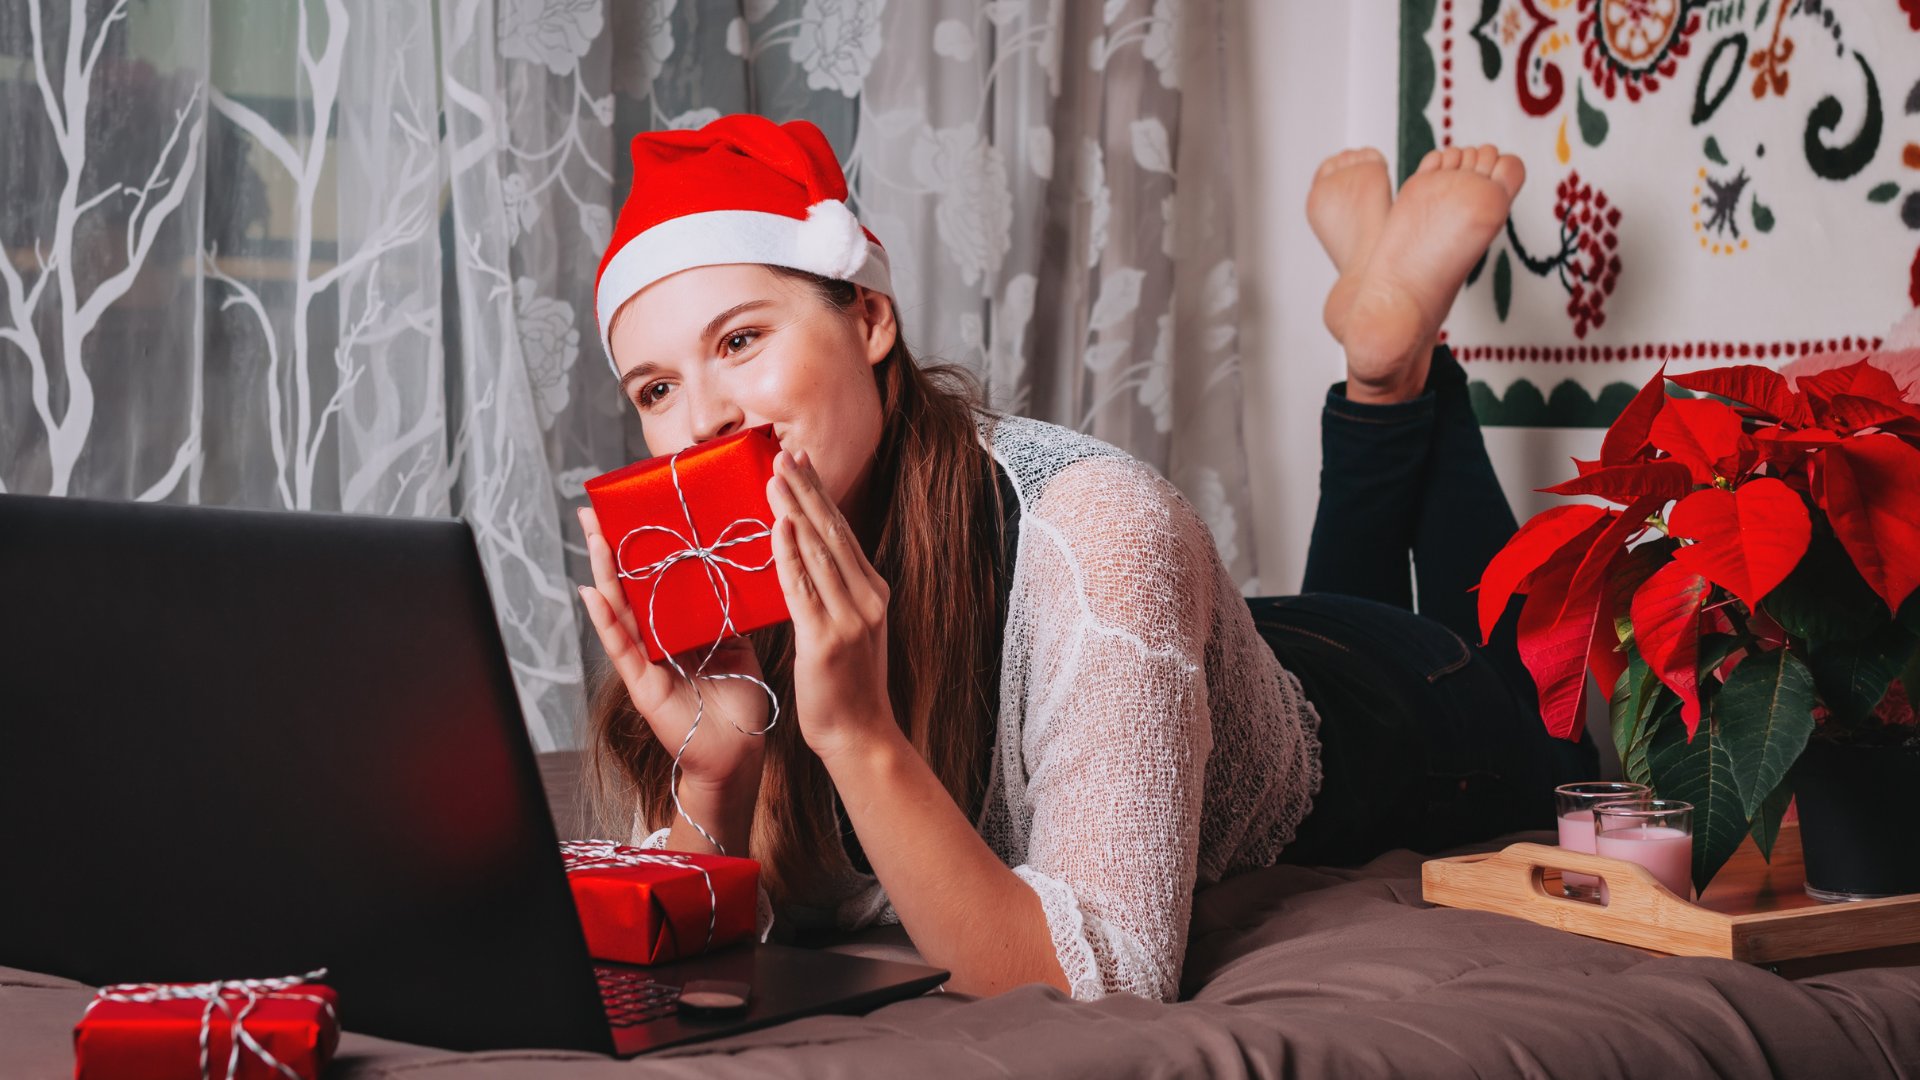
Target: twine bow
{"type": "Point", "coordinates": [607, 855]}
{"type": "Point", "coordinates": [709, 559]}
{"type": "Point", "coordinates": [224, 996]}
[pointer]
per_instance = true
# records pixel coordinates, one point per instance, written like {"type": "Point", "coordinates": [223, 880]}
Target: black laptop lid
{"type": "Point", "coordinates": [245, 744]}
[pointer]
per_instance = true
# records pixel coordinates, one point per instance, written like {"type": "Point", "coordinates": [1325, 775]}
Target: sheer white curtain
{"type": "Point", "coordinates": [339, 254]}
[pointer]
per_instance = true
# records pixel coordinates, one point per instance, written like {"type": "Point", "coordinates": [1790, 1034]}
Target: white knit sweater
{"type": "Point", "coordinates": [1148, 741]}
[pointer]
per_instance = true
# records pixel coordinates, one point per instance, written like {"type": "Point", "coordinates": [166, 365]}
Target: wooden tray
{"type": "Point", "coordinates": [1753, 911]}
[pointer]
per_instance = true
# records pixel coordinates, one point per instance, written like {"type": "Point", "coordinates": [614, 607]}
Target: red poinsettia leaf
{"type": "Point", "coordinates": [1852, 412]}
{"type": "Point", "coordinates": [1788, 454]}
{"type": "Point", "coordinates": [1564, 612]}
{"type": "Point", "coordinates": [1762, 388]}
{"type": "Point", "coordinates": [1746, 540]}
{"type": "Point", "coordinates": [1702, 434]}
{"type": "Point", "coordinates": [1666, 628]}
{"type": "Point", "coordinates": [1870, 490]}
{"type": "Point", "coordinates": [1625, 483]}
{"type": "Point", "coordinates": [1627, 436]}
{"type": "Point", "coordinates": [1858, 379]}
{"type": "Point", "coordinates": [1607, 548]}
{"type": "Point", "coordinates": [1745, 457]}
{"type": "Point", "coordinates": [1608, 658]}
{"type": "Point", "coordinates": [1536, 542]}
{"type": "Point", "coordinates": [1873, 381]}
{"type": "Point", "coordinates": [1803, 439]}
{"type": "Point", "coordinates": [1555, 649]}
{"type": "Point", "coordinates": [1582, 468]}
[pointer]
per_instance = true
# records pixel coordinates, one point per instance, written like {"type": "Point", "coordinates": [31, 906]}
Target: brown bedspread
{"type": "Point", "coordinates": [1291, 972]}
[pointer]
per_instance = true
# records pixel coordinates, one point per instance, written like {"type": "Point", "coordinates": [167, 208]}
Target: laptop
{"type": "Point", "coordinates": [240, 744]}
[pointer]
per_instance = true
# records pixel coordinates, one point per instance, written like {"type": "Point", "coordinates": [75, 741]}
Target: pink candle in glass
{"type": "Point", "coordinates": [1573, 806]}
{"type": "Point", "coordinates": [1576, 834]}
{"type": "Point", "coordinates": [1662, 849]}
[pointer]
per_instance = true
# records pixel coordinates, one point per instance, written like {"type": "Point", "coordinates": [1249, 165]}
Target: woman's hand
{"type": "Point", "coordinates": [839, 607]}
{"type": "Point", "coordinates": [722, 756]}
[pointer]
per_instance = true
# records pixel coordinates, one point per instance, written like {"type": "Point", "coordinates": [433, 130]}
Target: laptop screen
{"type": "Point", "coordinates": [239, 744]}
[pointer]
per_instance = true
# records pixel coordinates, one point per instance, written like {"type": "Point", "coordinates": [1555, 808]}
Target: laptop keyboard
{"type": "Point", "coordinates": [633, 998]}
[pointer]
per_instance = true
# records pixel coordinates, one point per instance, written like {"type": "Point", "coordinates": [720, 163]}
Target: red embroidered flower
{"type": "Point", "coordinates": [1589, 226]}
{"type": "Point", "coordinates": [1635, 43]}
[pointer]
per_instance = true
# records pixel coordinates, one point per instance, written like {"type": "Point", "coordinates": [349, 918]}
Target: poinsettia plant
{"type": "Point", "coordinates": [1744, 590]}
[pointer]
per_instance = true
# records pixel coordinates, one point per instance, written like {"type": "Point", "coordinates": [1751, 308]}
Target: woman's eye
{"type": "Point", "coordinates": [739, 340]}
{"type": "Point", "coordinates": [652, 393]}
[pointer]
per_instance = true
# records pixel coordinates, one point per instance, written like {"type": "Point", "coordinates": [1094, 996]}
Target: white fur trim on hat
{"type": "Point", "coordinates": [831, 240]}
{"type": "Point", "coordinates": [830, 243]}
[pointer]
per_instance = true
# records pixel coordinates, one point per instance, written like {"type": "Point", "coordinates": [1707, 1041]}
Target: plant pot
{"type": "Point", "coordinates": [1857, 818]}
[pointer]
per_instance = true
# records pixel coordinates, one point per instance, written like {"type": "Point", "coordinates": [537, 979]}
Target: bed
{"type": "Point", "coordinates": [1291, 971]}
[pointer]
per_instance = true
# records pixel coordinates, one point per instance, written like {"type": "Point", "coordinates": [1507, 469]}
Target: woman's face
{"type": "Point", "coordinates": [714, 350]}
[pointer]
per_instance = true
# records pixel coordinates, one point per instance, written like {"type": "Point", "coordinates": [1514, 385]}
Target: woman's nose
{"type": "Point", "coordinates": [714, 414]}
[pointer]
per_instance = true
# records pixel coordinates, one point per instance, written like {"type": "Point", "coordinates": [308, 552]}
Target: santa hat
{"type": "Point", "coordinates": [742, 189]}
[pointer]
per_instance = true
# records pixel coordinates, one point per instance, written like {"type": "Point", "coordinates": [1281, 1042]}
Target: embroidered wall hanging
{"type": "Point", "coordinates": [1708, 181]}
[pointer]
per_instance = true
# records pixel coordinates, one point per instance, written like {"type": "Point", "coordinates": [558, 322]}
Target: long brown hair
{"type": "Point", "coordinates": [940, 551]}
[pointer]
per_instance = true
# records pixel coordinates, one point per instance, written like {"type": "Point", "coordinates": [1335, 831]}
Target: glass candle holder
{"type": "Point", "coordinates": [1574, 805]}
{"type": "Point", "coordinates": [1657, 834]}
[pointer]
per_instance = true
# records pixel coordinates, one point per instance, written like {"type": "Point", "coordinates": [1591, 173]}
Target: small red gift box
{"type": "Point", "coordinates": [695, 554]}
{"type": "Point", "coordinates": [151, 1031]}
{"type": "Point", "coordinates": [647, 907]}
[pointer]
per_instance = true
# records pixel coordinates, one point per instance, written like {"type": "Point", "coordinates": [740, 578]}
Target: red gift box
{"type": "Point", "coordinates": [153, 1031]}
{"type": "Point", "coordinates": [691, 535]}
{"type": "Point", "coordinates": [647, 907]}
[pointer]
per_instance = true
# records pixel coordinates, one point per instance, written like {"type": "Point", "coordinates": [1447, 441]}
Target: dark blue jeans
{"type": "Point", "coordinates": [1427, 741]}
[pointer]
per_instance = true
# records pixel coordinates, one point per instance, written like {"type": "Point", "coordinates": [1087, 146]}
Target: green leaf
{"type": "Point", "coordinates": [1714, 650]}
{"type": "Point", "coordinates": [1640, 704]}
{"type": "Point", "coordinates": [1593, 122]}
{"type": "Point", "coordinates": [1853, 675]}
{"type": "Point", "coordinates": [1825, 599]}
{"type": "Point", "coordinates": [1636, 686]}
{"type": "Point", "coordinates": [1489, 57]}
{"type": "Point", "coordinates": [1502, 285]}
{"type": "Point", "coordinates": [1761, 19]}
{"type": "Point", "coordinates": [1489, 52]}
{"type": "Point", "coordinates": [1763, 716]}
{"type": "Point", "coordinates": [1766, 823]}
{"type": "Point", "coordinates": [1762, 217]}
{"type": "Point", "coordinates": [1884, 193]}
{"type": "Point", "coordinates": [1713, 151]}
{"type": "Point", "coordinates": [1700, 772]}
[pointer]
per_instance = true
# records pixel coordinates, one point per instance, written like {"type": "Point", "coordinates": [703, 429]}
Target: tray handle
{"type": "Point", "coordinates": [1639, 910]}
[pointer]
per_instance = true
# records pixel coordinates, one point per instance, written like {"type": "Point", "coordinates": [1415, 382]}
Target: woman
{"type": "Point", "coordinates": [1024, 710]}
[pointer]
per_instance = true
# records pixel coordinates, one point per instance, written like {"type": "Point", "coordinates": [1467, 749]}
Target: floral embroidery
{"type": "Point", "coordinates": [1591, 257]}
{"type": "Point", "coordinates": [1156, 388]}
{"type": "Point", "coordinates": [657, 40]}
{"type": "Point", "coordinates": [1162, 44]}
{"type": "Point", "coordinates": [1093, 189]}
{"type": "Point", "coordinates": [1208, 494]}
{"type": "Point", "coordinates": [549, 344]}
{"type": "Point", "coordinates": [556, 33]}
{"type": "Point", "coordinates": [837, 42]}
{"type": "Point", "coordinates": [1633, 44]}
{"type": "Point", "coordinates": [974, 215]}
{"type": "Point", "coordinates": [522, 208]}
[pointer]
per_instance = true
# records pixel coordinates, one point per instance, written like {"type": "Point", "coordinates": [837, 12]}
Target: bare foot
{"type": "Point", "coordinates": [1347, 206]}
{"type": "Point", "coordinates": [1447, 213]}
